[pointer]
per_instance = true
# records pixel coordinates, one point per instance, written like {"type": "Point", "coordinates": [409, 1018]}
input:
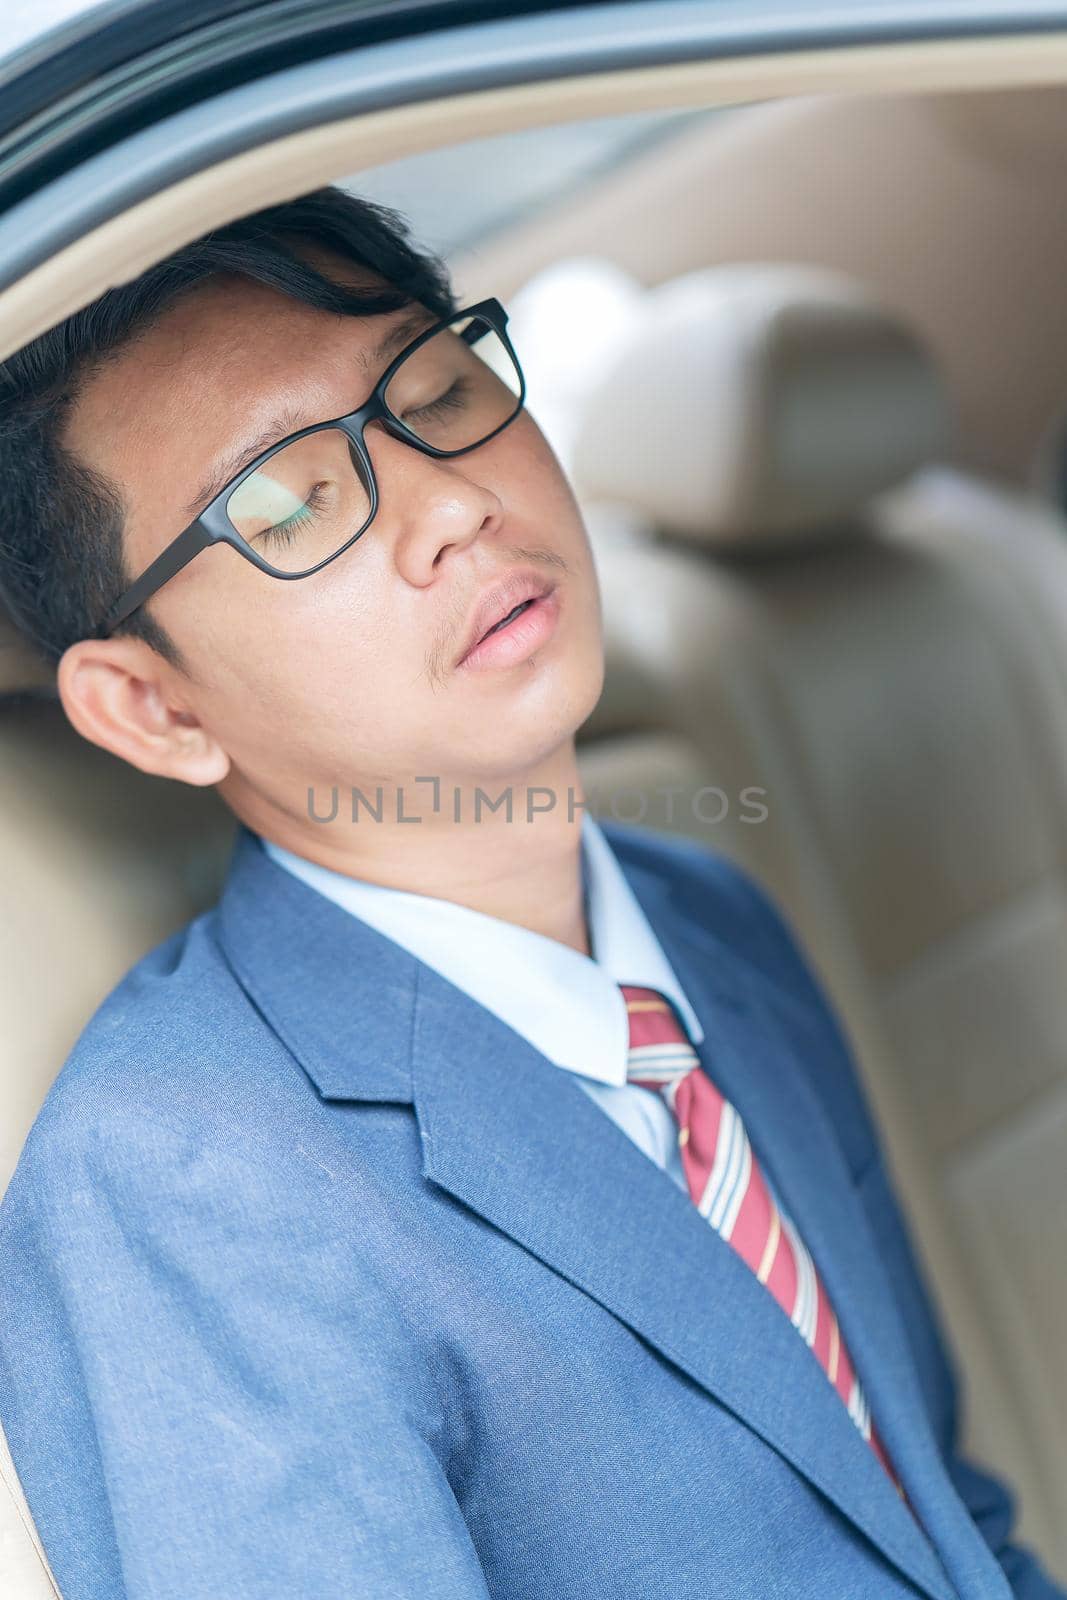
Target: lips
{"type": "Point", "coordinates": [496, 602]}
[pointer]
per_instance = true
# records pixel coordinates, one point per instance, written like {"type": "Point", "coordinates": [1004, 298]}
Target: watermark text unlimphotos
{"type": "Point", "coordinates": [672, 804]}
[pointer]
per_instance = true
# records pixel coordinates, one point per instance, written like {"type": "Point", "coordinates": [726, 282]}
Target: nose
{"type": "Point", "coordinates": [431, 507]}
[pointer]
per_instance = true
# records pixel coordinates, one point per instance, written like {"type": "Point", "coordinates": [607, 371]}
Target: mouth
{"type": "Point", "coordinates": [510, 614]}
{"type": "Point", "coordinates": [517, 611]}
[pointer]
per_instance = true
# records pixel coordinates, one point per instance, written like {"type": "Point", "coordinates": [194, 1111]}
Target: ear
{"type": "Point", "coordinates": [121, 695]}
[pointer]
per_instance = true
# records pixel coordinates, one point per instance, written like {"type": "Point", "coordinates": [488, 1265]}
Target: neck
{"type": "Point", "coordinates": [445, 841]}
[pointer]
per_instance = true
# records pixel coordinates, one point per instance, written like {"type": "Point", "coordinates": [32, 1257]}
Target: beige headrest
{"type": "Point", "coordinates": [751, 405]}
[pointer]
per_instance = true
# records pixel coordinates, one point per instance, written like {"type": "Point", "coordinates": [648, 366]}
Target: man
{"type": "Point", "coordinates": [325, 1271]}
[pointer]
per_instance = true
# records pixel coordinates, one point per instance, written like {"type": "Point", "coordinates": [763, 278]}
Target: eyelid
{"type": "Point", "coordinates": [308, 506]}
{"type": "Point", "coordinates": [458, 386]}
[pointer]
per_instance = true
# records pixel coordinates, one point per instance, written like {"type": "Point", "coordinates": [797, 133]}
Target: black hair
{"type": "Point", "coordinates": [61, 535]}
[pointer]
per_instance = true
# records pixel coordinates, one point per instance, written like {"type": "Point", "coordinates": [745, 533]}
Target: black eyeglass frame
{"type": "Point", "coordinates": [213, 525]}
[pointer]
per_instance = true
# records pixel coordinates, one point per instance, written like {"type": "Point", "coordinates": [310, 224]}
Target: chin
{"type": "Point", "coordinates": [539, 724]}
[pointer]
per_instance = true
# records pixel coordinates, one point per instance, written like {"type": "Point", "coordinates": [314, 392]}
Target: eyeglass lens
{"type": "Point", "coordinates": [309, 499]}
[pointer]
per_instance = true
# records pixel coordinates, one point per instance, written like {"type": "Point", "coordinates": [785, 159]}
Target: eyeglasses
{"type": "Point", "coordinates": [305, 500]}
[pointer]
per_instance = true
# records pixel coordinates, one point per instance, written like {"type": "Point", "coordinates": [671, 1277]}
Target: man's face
{"type": "Point", "coordinates": [348, 676]}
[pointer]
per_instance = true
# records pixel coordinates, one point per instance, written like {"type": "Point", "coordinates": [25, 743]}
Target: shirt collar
{"type": "Point", "coordinates": [568, 1005]}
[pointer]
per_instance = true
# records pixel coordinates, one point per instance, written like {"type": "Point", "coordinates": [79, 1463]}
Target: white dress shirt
{"type": "Point", "coordinates": [568, 1005]}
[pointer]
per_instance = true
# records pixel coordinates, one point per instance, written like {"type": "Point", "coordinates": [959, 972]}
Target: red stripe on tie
{"type": "Point", "coordinates": [708, 1141]}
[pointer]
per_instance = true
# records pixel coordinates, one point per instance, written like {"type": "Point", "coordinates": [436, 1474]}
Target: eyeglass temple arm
{"type": "Point", "coordinates": [177, 555]}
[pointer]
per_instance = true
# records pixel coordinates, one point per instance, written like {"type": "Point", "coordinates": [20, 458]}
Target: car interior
{"type": "Point", "coordinates": [820, 435]}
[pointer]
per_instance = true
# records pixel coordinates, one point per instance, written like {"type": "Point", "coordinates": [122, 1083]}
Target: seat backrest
{"type": "Point", "coordinates": [878, 643]}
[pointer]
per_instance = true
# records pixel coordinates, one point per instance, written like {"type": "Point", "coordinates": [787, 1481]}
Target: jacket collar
{"type": "Point", "coordinates": [367, 1021]}
{"type": "Point", "coordinates": [565, 1003]}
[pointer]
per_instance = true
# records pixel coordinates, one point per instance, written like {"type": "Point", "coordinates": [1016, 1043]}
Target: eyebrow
{"type": "Point", "coordinates": [287, 422]}
{"type": "Point", "coordinates": [400, 334]}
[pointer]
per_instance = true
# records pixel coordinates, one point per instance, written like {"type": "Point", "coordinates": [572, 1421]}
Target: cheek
{"type": "Point", "coordinates": [531, 466]}
{"type": "Point", "coordinates": [538, 493]}
{"type": "Point", "coordinates": [242, 628]}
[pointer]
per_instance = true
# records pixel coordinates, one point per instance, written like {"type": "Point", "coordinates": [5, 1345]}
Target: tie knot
{"type": "Point", "coordinates": [659, 1046]}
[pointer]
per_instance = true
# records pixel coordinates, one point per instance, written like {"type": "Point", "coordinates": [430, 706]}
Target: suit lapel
{"type": "Point", "coordinates": [502, 1128]}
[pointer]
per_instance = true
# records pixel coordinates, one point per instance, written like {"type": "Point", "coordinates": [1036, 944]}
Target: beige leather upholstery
{"type": "Point", "coordinates": [893, 674]}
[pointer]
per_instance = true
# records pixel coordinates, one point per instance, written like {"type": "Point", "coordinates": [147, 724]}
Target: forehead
{"type": "Point", "coordinates": [226, 358]}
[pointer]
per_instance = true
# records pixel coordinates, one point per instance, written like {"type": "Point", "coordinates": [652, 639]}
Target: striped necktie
{"type": "Point", "coordinates": [729, 1189]}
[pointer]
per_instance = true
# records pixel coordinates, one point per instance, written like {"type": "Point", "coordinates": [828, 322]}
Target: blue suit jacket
{"type": "Point", "coordinates": [319, 1280]}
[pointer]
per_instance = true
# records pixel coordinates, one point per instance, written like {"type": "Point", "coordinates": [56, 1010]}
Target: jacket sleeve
{"type": "Point", "coordinates": [772, 945]}
{"type": "Point", "coordinates": [204, 1391]}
